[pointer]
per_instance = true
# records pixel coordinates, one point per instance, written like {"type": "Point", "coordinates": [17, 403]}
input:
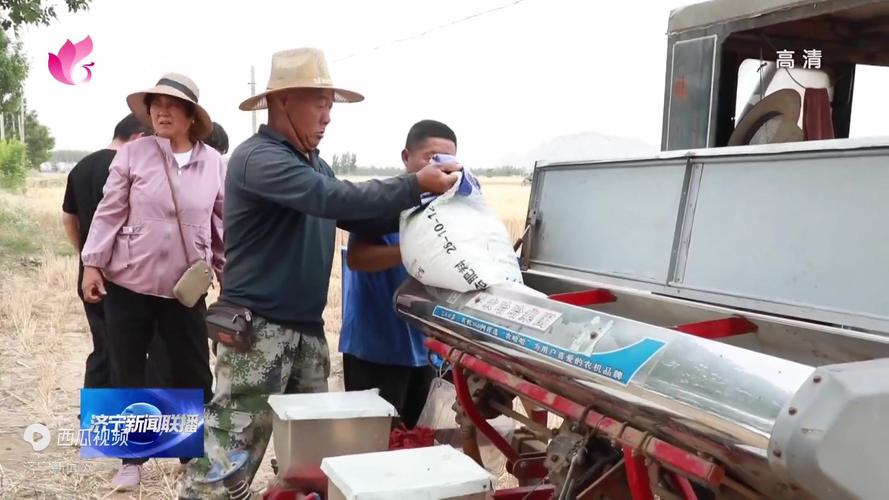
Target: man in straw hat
{"type": "Point", "coordinates": [282, 207]}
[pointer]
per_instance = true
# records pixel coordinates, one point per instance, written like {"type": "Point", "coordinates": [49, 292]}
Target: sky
{"type": "Point", "coordinates": [505, 81]}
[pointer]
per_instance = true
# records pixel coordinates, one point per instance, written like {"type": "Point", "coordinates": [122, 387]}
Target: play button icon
{"type": "Point", "coordinates": [38, 436]}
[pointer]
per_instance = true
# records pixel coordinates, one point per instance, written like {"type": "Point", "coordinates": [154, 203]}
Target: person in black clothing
{"type": "Point", "coordinates": [82, 195]}
{"type": "Point", "coordinates": [218, 139]}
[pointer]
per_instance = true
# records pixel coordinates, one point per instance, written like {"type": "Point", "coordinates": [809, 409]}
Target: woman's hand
{"type": "Point", "coordinates": [93, 285]}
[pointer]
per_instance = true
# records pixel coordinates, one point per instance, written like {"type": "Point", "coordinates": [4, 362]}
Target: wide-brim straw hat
{"type": "Point", "coordinates": [296, 69]}
{"type": "Point", "coordinates": [784, 105]}
{"type": "Point", "coordinates": [175, 85]}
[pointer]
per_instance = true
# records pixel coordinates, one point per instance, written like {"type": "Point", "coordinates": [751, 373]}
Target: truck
{"type": "Point", "coordinates": [716, 319]}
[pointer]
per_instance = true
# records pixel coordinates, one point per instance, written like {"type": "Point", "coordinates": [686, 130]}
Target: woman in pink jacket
{"type": "Point", "coordinates": [134, 254]}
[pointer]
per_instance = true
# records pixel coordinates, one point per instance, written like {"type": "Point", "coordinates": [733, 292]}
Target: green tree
{"type": "Point", "coordinates": [346, 163]}
{"type": "Point", "coordinates": [17, 13]}
{"type": "Point", "coordinates": [373, 171]}
{"type": "Point", "coordinates": [13, 164]}
{"type": "Point", "coordinates": [349, 163]}
{"type": "Point", "coordinates": [503, 171]}
{"type": "Point", "coordinates": [38, 139]}
{"type": "Point", "coordinates": [13, 71]}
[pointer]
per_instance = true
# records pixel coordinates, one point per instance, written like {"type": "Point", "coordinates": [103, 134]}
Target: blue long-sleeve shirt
{"type": "Point", "coordinates": [372, 331]}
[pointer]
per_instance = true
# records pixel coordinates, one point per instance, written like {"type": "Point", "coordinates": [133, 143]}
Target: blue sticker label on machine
{"type": "Point", "coordinates": [619, 365]}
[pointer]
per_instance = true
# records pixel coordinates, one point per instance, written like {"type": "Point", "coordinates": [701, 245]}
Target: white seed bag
{"type": "Point", "coordinates": [456, 241]}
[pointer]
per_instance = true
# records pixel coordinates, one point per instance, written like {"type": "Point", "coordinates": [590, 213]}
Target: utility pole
{"type": "Point", "coordinates": [253, 93]}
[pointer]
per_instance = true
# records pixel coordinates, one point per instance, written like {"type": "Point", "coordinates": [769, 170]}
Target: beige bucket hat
{"type": "Point", "coordinates": [176, 85]}
{"type": "Point", "coordinates": [777, 115]}
{"type": "Point", "coordinates": [299, 68]}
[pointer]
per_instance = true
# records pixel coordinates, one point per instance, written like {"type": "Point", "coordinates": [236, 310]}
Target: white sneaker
{"type": "Point", "coordinates": [128, 477]}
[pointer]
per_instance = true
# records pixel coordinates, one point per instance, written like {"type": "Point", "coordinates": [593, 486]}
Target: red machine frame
{"type": "Point", "coordinates": [640, 449]}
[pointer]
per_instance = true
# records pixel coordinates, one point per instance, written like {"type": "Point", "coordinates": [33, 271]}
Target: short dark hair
{"type": "Point", "coordinates": [130, 126]}
{"type": "Point", "coordinates": [426, 129]}
{"type": "Point", "coordinates": [218, 139]}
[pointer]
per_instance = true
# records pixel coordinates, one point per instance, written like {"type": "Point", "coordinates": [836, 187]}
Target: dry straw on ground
{"type": "Point", "coordinates": [44, 341]}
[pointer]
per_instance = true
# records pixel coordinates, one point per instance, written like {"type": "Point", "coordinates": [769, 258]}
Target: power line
{"type": "Point", "coordinates": [431, 30]}
{"type": "Point", "coordinates": [768, 41]}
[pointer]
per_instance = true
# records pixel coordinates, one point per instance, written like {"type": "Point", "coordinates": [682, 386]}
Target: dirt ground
{"type": "Point", "coordinates": [44, 341]}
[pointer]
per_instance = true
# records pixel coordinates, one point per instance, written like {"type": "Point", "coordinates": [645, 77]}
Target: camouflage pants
{"type": "Point", "coordinates": [239, 417]}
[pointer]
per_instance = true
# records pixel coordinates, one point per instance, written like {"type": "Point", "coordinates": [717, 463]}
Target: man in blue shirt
{"type": "Point", "coordinates": [379, 349]}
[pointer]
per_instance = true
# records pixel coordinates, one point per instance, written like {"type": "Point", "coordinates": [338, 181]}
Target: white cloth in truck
{"type": "Point", "coordinates": [456, 241]}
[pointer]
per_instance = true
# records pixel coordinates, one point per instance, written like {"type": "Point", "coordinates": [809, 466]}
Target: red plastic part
{"type": "Point", "coordinates": [685, 488]}
{"type": "Point", "coordinates": [718, 328]}
{"type": "Point", "coordinates": [530, 466]}
{"type": "Point", "coordinates": [637, 475]}
{"type": "Point", "coordinates": [585, 298]}
{"type": "Point", "coordinates": [540, 416]}
{"type": "Point", "coordinates": [418, 437]}
{"type": "Point", "coordinates": [280, 493]}
{"type": "Point", "coordinates": [478, 420]}
{"type": "Point", "coordinates": [686, 462]}
{"type": "Point", "coordinates": [304, 481]}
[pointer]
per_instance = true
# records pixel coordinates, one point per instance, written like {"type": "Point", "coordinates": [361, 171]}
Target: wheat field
{"type": "Point", "coordinates": [44, 341]}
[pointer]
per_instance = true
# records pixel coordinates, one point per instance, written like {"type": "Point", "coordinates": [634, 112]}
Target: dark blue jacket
{"type": "Point", "coordinates": [280, 217]}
